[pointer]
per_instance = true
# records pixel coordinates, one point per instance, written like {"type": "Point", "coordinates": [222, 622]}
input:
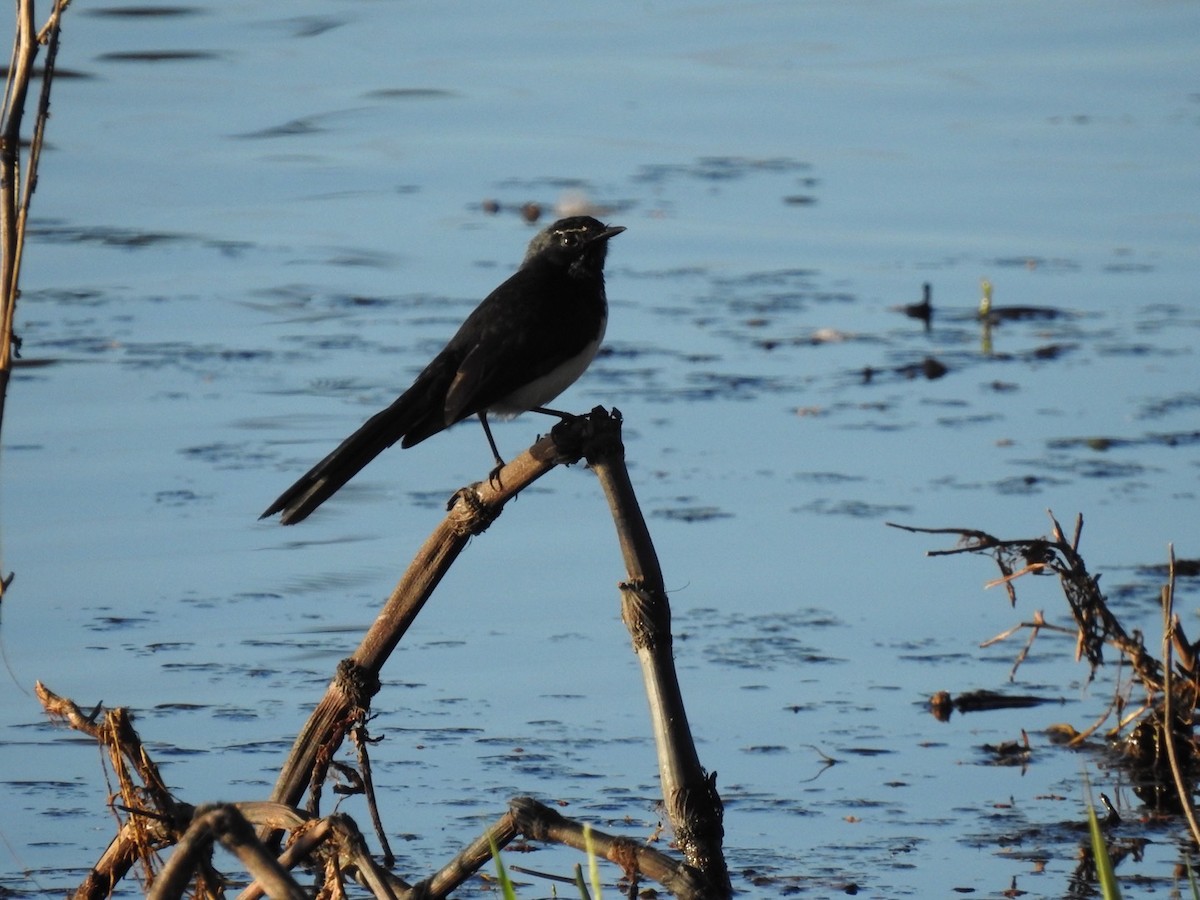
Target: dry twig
{"type": "Point", "coordinates": [15, 200]}
{"type": "Point", "coordinates": [1182, 785]}
{"type": "Point", "coordinates": [1095, 623]}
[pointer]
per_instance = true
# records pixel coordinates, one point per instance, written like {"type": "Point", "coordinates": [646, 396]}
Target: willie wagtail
{"type": "Point", "coordinates": [523, 345]}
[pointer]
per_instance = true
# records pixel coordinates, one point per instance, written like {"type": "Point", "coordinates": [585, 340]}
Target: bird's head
{"type": "Point", "coordinates": [577, 242]}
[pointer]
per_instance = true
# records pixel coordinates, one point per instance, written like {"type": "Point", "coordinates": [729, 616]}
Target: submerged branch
{"type": "Point", "coordinates": [1162, 744]}
{"type": "Point", "coordinates": [1095, 623]}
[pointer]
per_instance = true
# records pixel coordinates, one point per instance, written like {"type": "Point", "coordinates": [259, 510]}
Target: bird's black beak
{"type": "Point", "coordinates": [608, 232]}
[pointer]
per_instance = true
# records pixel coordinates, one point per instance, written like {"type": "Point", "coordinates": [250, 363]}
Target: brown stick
{"type": "Point", "coordinates": [1182, 788]}
{"type": "Point", "coordinates": [689, 793]}
{"type": "Point", "coordinates": [222, 822]}
{"type": "Point", "coordinates": [339, 829]}
{"type": "Point", "coordinates": [541, 823]}
{"type": "Point", "coordinates": [14, 203]}
{"type": "Point", "coordinates": [472, 858]}
{"type": "Point", "coordinates": [156, 820]}
{"type": "Point", "coordinates": [20, 72]}
{"type": "Point", "coordinates": [155, 816]}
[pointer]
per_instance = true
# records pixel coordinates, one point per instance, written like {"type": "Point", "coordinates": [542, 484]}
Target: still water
{"type": "Point", "coordinates": [256, 224]}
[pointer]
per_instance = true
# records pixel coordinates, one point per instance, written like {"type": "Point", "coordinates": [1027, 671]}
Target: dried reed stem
{"type": "Point", "coordinates": [222, 822]}
{"type": "Point", "coordinates": [541, 823]}
{"type": "Point", "coordinates": [1182, 787]}
{"type": "Point", "coordinates": [14, 202]}
{"type": "Point", "coordinates": [689, 793]}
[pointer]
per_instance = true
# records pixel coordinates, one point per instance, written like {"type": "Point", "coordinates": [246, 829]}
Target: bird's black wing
{"type": "Point", "coordinates": [529, 326]}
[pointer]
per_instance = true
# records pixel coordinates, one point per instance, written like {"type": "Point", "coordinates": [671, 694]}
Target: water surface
{"type": "Point", "coordinates": [256, 225]}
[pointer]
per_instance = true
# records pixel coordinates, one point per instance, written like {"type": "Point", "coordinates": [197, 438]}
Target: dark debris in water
{"type": "Point", "coordinates": [1102, 444]}
{"type": "Point", "coordinates": [1009, 753]}
{"type": "Point", "coordinates": [1026, 485]}
{"type": "Point", "coordinates": [943, 703]}
{"type": "Point", "coordinates": [928, 368]}
{"type": "Point", "coordinates": [1024, 314]}
{"type": "Point", "coordinates": [923, 310]}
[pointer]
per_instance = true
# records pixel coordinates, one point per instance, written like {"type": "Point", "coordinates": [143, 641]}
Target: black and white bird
{"type": "Point", "coordinates": [526, 343]}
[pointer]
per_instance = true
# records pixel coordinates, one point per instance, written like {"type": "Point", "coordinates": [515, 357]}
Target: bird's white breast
{"type": "Point", "coordinates": [542, 390]}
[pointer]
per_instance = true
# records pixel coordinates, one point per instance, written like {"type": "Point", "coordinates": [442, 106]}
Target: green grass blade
{"type": "Point", "coordinates": [506, 886]}
{"type": "Point", "coordinates": [580, 883]}
{"type": "Point", "coordinates": [593, 863]}
{"type": "Point", "coordinates": [1104, 867]}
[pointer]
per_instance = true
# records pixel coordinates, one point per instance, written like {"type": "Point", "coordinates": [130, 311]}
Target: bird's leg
{"type": "Point", "coordinates": [494, 475]}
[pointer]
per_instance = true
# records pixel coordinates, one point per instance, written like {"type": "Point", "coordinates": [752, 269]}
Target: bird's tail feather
{"type": "Point", "coordinates": [325, 478]}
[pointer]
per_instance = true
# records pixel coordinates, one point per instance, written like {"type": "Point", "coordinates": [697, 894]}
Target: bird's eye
{"type": "Point", "coordinates": [568, 238]}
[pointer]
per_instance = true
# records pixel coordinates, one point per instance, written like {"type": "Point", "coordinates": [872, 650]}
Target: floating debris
{"type": "Point", "coordinates": [996, 314]}
{"type": "Point", "coordinates": [942, 704]}
{"type": "Point", "coordinates": [922, 310]}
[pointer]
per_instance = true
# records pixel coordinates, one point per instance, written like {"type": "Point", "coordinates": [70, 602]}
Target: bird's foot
{"type": "Point", "coordinates": [494, 475]}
